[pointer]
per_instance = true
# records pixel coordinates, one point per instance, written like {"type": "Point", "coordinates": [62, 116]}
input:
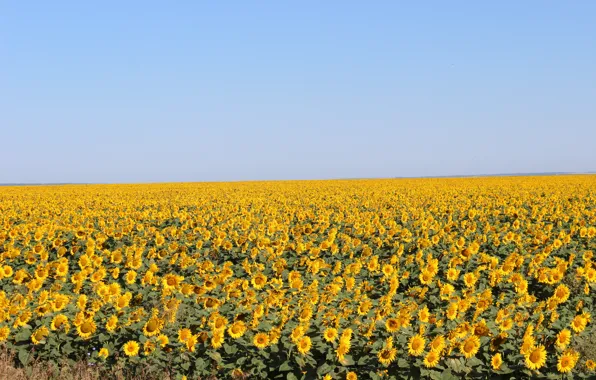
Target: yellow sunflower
{"type": "Point", "coordinates": [330, 334]}
{"type": "Point", "coordinates": [261, 340]}
{"type": "Point", "coordinates": [437, 344]}
{"type": "Point", "coordinates": [470, 346]}
{"type": "Point", "coordinates": [536, 357]}
{"type": "Point", "coordinates": [184, 334]}
{"type": "Point", "coordinates": [39, 335]}
{"type": "Point", "coordinates": [237, 329]}
{"type": "Point", "coordinates": [496, 361]}
{"type": "Point", "coordinates": [131, 348]}
{"type": "Point", "coordinates": [563, 338]}
{"type": "Point", "coordinates": [387, 355]}
{"type": "Point", "coordinates": [567, 361]}
{"type": "Point", "coordinates": [432, 359]}
{"type": "Point", "coordinates": [163, 340]}
{"type": "Point", "coordinates": [103, 353]}
{"type": "Point", "coordinates": [152, 327]}
{"type": "Point", "coordinates": [86, 329]}
{"type": "Point", "coordinates": [416, 345]}
{"type": "Point", "coordinates": [392, 325]}
{"type": "Point", "coordinates": [304, 344]}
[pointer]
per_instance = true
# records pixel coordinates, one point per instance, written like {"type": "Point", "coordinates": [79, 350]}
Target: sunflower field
{"type": "Point", "coordinates": [347, 279]}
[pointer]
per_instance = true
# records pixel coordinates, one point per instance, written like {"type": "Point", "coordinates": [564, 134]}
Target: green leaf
{"type": "Point", "coordinates": [285, 366]}
{"type": "Point", "coordinates": [23, 357]}
{"type": "Point", "coordinates": [215, 356]}
{"type": "Point", "coordinates": [402, 363]}
{"type": "Point", "coordinates": [200, 364]}
{"type": "Point", "coordinates": [504, 369]}
{"type": "Point", "coordinates": [474, 362]}
{"type": "Point", "coordinates": [324, 369]}
{"type": "Point", "coordinates": [448, 375]}
{"type": "Point", "coordinates": [230, 349]}
{"type": "Point", "coordinates": [348, 360]}
{"type": "Point", "coordinates": [291, 376]}
{"type": "Point", "coordinates": [23, 336]}
{"type": "Point", "coordinates": [300, 361]}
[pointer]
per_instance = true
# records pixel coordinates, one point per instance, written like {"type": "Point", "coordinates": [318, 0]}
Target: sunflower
{"type": "Point", "coordinates": [261, 340]}
{"type": "Point", "coordinates": [496, 361]}
{"type": "Point", "coordinates": [82, 302]}
{"type": "Point", "coordinates": [342, 349]}
{"type": "Point", "coordinates": [452, 311]}
{"type": "Point", "coordinates": [452, 274]}
{"type": "Point", "coordinates": [152, 327]}
{"type": "Point", "coordinates": [563, 338]}
{"type": "Point", "coordinates": [431, 359]}
{"type": "Point", "coordinates": [163, 340]}
{"type": "Point", "coordinates": [86, 329]}
{"type": "Point", "coordinates": [112, 323]}
{"type": "Point", "coordinates": [561, 293]}
{"type": "Point", "coordinates": [4, 332]}
{"type": "Point", "coordinates": [579, 323]}
{"type": "Point", "coordinates": [351, 376]}
{"type": "Point", "coordinates": [219, 322]}
{"type": "Point", "coordinates": [39, 335]}
{"type": "Point", "coordinates": [103, 353]}
{"type": "Point", "coordinates": [130, 277]}
{"type": "Point", "coordinates": [527, 345]}
{"type": "Point", "coordinates": [184, 334]}
{"type": "Point", "coordinates": [437, 344]}
{"type": "Point", "coordinates": [567, 361]}
{"type": "Point", "coordinates": [426, 277]}
{"type": "Point", "coordinates": [191, 342]}
{"type": "Point", "coordinates": [470, 346]}
{"type": "Point", "coordinates": [6, 271]}
{"type": "Point", "coordinates": [470, 279]}
{"type": "Point", "coordinates": [131, 348]}
{"type": "Point", "coordinates": [237, 373]}
{"type": "Point", "coordinates": [387, 355]}
{"type": "Point", "coordinates": [148, 347]}
{"type": "Point", "coordinates": [297, 333]}
{"type": "Point", "coordinates": [388, 270]}
{"type": "Point", "coordinates": [590, 364]}
{"type": "Point", "coordinates": [392, 325]}
{"type": "Point", "coordinates": [536, 357]}
{"type": "Point", "coordinates": [237, 329]}
{"type": "Point", "coordinates": [259, 280]}
{"type": "Point", "coordinates": [172, 281]}
{"type": "Point", "coordinates": [59, 321]}
{"type": "Point", "coordinates": [423, 314]}
{"type": "Point", "coordinates": [217, 339]}
{"type": "Point", "coordinates": [416, 345]}
{"type": "Point", "coordinates": [506, 325]}
{"type": "Point", "coordinates": [330, 334]}
{"type": "Point", "coordinates": [274, 335]}
{"type": "Point", "coordinates": [304, 344]}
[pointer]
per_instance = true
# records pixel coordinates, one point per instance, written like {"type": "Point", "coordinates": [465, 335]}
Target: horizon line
{"type": "Point", "coordinates": [531, 174]}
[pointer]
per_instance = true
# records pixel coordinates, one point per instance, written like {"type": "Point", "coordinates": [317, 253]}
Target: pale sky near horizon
{"type": "Point", "coordinates": [147, 91]}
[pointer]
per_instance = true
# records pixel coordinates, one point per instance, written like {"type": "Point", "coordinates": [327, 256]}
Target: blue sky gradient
{"type": "Point", "coordinates": [147, 91]}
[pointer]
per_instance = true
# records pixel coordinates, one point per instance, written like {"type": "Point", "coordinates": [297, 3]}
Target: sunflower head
{"type": "Point", "coordinates": [416, 345]}
{"type": "Point", "coordinates": [261, 340]}
{"type": "Point", "coordinates": [131, 348]}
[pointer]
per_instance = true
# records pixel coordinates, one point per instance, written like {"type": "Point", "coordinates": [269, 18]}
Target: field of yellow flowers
{"type": "Point", "coordinates": [434, 278]}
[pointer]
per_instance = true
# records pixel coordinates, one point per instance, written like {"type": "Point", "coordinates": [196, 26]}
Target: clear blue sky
{"type": "Point", "coordinates": [126, 91]}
